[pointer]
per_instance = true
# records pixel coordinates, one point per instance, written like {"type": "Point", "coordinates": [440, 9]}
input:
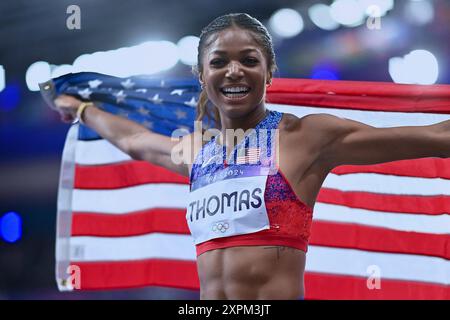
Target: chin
{"type": "Point", "coordinates": [238, 111]}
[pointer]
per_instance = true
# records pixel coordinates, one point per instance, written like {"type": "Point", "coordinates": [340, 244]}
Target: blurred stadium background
{"type": "Point", "coordinates": [402, 41]}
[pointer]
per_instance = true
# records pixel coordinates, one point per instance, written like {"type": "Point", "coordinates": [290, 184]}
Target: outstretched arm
{"type": "Point", "coordinates": [130, 137]}
{"type": "Point", "coordinates": [343, 141]}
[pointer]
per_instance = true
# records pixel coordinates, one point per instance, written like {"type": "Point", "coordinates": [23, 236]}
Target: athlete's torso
{"type": "Point", "coordinates": [266, 271]}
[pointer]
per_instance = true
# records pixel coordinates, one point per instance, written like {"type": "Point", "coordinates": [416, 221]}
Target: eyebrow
{"type": "Point", "coordinates": [224, 52]}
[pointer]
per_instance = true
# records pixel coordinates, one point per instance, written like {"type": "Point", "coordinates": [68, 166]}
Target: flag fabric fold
{"type": "Point", "coordinates": [379, 231]}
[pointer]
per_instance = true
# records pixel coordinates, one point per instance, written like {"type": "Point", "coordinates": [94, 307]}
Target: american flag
{"type": "Point", "coordinates": [379, 231]}
{"type": "Point", "coordinates": [251, 155]}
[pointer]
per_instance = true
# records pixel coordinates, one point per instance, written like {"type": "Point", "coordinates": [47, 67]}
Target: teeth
{"type": "Point", "coordinates": [235, 89]}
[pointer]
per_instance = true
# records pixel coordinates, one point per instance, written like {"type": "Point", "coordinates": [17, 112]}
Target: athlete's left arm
{"type": "Point", "coordinates": [345, 141]}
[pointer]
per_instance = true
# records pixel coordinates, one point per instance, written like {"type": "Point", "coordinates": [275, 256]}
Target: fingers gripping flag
{"type": "Point", "coordinates": [379, 231]}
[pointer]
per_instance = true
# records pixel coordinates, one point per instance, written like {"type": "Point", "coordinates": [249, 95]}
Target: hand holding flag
{"type": "Point", "coordinates": [67, 107]}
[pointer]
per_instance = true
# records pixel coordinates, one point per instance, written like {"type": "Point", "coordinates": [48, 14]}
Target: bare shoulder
{"type": "Point", "coordinates": [313, 126]}
{"type": "Point", "coordinates": [321, 128]}
{"type": "Point", "coordinates": [319, 121]}
{"type": "Point", "coordinates": [292, 123]}
{"type": "Point", "coordinates": [329, 124]}
{"type": "Point", "coordinates": [308, 135]}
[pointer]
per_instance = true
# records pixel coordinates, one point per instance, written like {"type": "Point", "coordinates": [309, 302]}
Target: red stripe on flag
{"type": "Point", "coordinates": [359, 95]}
{"type": "Point", "coordinates": [133, 173]}
{"type": "Point", "coordinates": [338, 287]}
{"type": "Point", "coordinates": [183, 274]}
{"type": "Point", "coordinates": [430, 205]}
{"type": "Point", "coordinates": [130, 224]}
{"type": "Point", "coordinates": [421, 168]}
{"type": "Point", "coordinates": [124, 174]}
{"type": "Point", "coordinates": [355, 236]}
{"type": "Point", "coordinates": [140, 273]}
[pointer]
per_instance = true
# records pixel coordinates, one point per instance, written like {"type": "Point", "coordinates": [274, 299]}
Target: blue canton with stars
{"type": "Point", "coordinates": [161, 105]}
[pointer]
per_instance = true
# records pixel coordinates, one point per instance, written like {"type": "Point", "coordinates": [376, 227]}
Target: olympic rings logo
{"type": "Point", "coordinates": [220, 227]}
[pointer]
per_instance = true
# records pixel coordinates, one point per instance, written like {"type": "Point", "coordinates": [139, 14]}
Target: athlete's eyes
{"type": "Point", "coordinates": [216, 61]}
{"type": "Point", "coordinates": [249, 60]}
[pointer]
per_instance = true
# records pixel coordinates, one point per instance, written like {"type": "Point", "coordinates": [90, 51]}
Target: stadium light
{"type": "Point", "coordinates": [419, 12]}
{"type": "Point", "coordinates": [349, 13]}
{"type": "Point", "coordinates": [146, 58]}
{"type": "Point", "coordinates": [156, 56]}
{"type": "Point", "coordinates": [61, 70]}
{"type": "Point", "coordinates": [36, 73]}
{"type": "Point", "coordinates": [417, 67]}
{"type": "Point", "coordinates": [382, 6]}
{"type": "Point", "coordinates": [286, 23]}
{"type": "Point", "coordinates": [187, 48]}
{"type": "Point", "coordinates": [320, 15]}
{"type": "Point", "coordinates": [2, 78]}
{"type": "Point", "coordinates": [10, 227]}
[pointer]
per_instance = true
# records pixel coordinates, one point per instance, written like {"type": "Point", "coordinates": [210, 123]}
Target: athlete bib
{"type": "Point", "coordinates": [228, 202]}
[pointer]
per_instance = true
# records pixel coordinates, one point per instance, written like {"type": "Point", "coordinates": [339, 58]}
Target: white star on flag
{"type": "Point", "coordinates": [124, 114]}
{"type": "Point", "coordinates": [86, 93]}
{"type": "Point", "coordinates": [180, 114]}
{"type": "Point", "coordinates": [120, 96]}
{"type": "Point", "coordinates": [141, 90]}
{"type": "Point", "coordinates": [93, 84]}
{"type": "Point", "coordinates": [156, 99]}
{"type": "Point", "coordinates": [177, 91]}
{"type": "Point", "coordinates": [127, 84]}
{"type": "Point", "coordinates": [147, 124]}
{"type": "Point", "coordinates": [191, 103]}
{"type": "Point", "coordinates": [184, 128]}
{"type": "Point", "coordinates": [143, 111]}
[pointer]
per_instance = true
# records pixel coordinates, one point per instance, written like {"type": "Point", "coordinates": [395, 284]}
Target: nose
{"type": "Point", "coordinates": [234, 70]}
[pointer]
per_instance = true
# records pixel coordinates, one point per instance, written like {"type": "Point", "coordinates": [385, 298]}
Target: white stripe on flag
{"type": "Point", "coordinates": [391, 265]}
{"type": "Point", "coordinates": [439, 224]}
{"type": "Point", "coordinates": [130, 199]}
{"type": "Point", "coordinates": [98, 152]}
{"type": "Point", "coordinates": [379, 119]}
{"type": "Point", "coordinates": [387, 184]}
{"type": "Point", "coordinates": [149, 246]}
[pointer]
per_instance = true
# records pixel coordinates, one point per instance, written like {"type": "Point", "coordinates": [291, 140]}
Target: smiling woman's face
{"type": "Point", "coordinates": [234, 62]}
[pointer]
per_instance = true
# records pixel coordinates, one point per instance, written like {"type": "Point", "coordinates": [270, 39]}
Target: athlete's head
{"type": "Point", "coordinates": [234, 50]}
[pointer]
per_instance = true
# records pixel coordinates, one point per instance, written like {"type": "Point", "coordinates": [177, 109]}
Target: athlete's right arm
{"type": "Point", "coordinates": [130, 137]}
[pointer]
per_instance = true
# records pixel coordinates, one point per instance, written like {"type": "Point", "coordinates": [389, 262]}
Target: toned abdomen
{"type": "Point", "coordinates": [252, 272]}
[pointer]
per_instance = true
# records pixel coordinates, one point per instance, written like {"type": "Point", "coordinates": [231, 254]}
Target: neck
{"type": "Point", "coordinates": [246, 122]}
